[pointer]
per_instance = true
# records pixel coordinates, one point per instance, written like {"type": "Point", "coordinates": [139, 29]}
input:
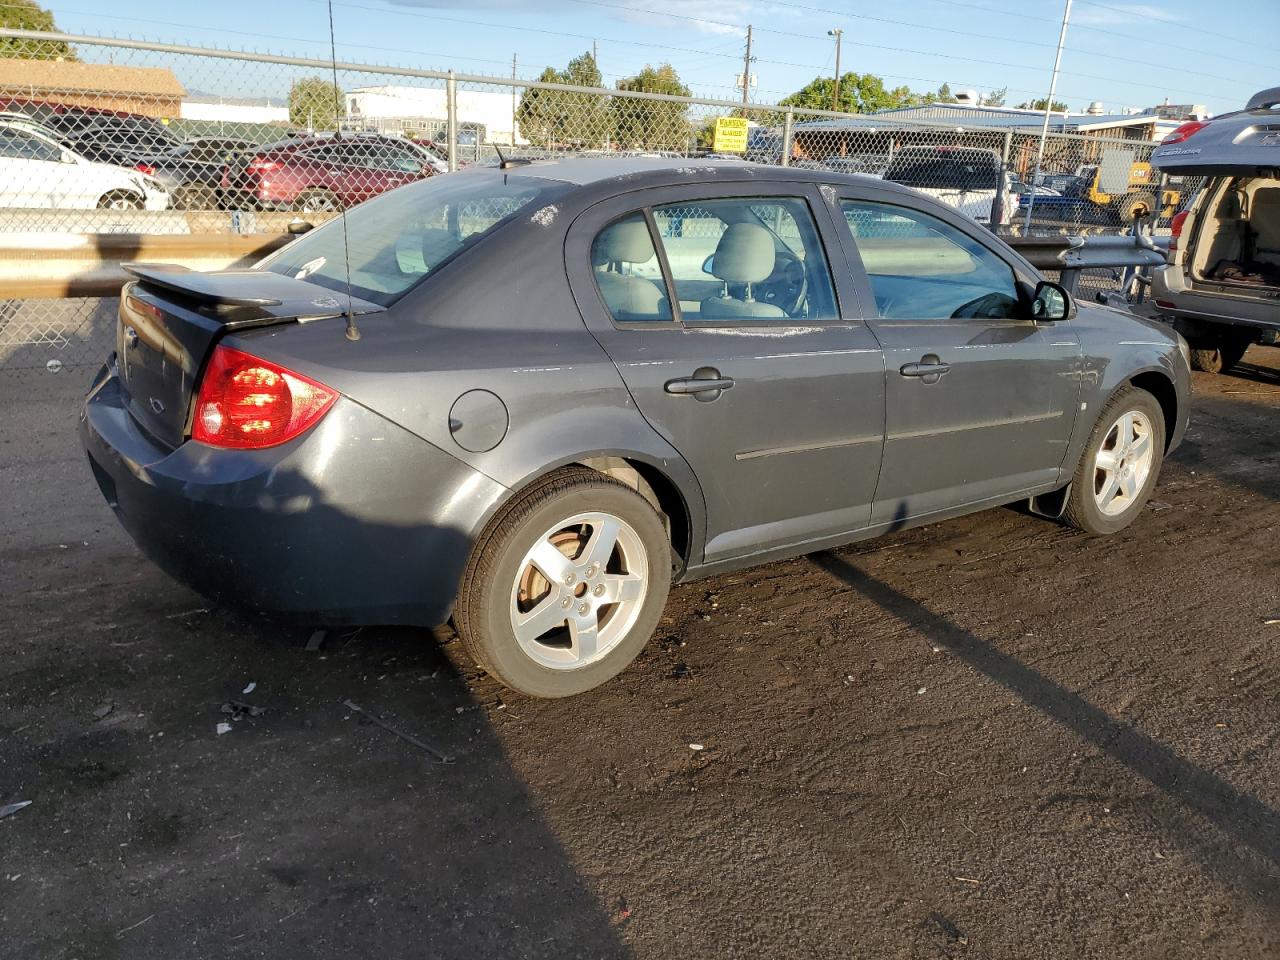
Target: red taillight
{"type": "Point", "coordinates": [257, 165]}
{"type": "Point", "coordinates": [246, 403]}
{"type": "Point", "coordinates": [1181, 132]}
{"type": "Point", "coordinates": [146, 168]}
{"type": "Point", "coordinates": [1175, 230]}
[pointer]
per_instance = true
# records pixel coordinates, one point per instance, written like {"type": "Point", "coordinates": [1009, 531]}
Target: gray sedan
{"type": "Point", "coordinates": [531, 398]}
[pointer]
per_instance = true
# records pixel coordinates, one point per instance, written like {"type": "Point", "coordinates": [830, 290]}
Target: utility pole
{"type": "Point", "coordinates": [514, 108]}
{"type": "Point", "coordinates": [1048, 107]}
{"type": "Point", "coordinates": [595, 60]}
{"type": "Point", "coordinates": [746, 68]}
{"type": "Point", "coordinates": [835, 96]}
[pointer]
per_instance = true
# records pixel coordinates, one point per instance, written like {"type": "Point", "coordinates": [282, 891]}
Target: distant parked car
{"type": "Point", "coordinates": [68, 121]}
{"type": "Point", "coordinates": [969, 179]}
{"type": "Point", "coordinates": [37, 171]}
{"type": "Point", "coordinates": [314, 174]}
{"type": "Point", "coordinates": [1221, 289]}
{"type": "Point", "coordinates": [192, 172]}
{"type": "Point", "coordinates": [122, 142]}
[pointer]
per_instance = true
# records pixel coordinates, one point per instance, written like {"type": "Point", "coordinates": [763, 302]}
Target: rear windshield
{"type": "Point", "coordinates": [946, 171]}
{"type": "Point", "coordinates": [395, 240]}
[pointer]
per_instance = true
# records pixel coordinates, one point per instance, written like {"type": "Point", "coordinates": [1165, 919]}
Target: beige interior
{"type": "Point", "coordinates": [1242, 226]}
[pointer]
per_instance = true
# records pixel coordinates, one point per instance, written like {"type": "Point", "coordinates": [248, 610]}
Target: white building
{"type": "Point", "coordinates": [230, 110]}
{"type": "Point", "coordinates": [397, 109]}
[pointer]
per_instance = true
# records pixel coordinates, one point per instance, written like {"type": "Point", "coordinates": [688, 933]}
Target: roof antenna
{"type": "Point", "coordinates": [502, 161]}
{"type": "Point", "coordinates": [353, 332]}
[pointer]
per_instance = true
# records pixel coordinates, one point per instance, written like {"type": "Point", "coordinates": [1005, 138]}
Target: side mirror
{"type": "Point", "coordinates": [298, 226]}
{"type": "Point", "coordinates": [707, 264]}
{"type": "Point", "coordinates": [1050, 303]}
{"type": "Point", "coordinates": [68, 156]}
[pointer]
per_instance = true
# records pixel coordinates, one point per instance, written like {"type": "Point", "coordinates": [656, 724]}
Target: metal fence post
{"type": "Point", "coordinates": [451, 108]}
{"type": "Point", "coordinates": [788, 129]}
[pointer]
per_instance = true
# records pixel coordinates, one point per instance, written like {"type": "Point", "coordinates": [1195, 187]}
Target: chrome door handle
{"type": "Point", "coordinates": [930, 368]}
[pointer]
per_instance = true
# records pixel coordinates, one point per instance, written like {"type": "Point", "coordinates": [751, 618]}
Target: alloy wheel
{"type": "Point", "coordinates": [579, 590]}
{"type": "Point", "coordinates": [1123, 463]}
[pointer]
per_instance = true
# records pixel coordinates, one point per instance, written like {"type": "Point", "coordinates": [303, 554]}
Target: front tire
{"type": "Point", "coordinates": [317, 200]}
{"type": "Point", "coordinates": [120, 200]}
{"type": "Point", "coordinates": [1120, 464]}
{"type": "Point", "coordinates": [566, 585]}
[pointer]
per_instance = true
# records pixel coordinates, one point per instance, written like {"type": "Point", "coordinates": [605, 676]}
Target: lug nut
{"type": "Point", "coordinates": [593, 570]}
{"type": "Point", "coordinates": [568, 580]}
{"type": "Point", "coordinates": [584, 608]}
{"type": "Point", "coordinates": [599, 590]}
{"type": "Point", "coordinates": [566, 602]}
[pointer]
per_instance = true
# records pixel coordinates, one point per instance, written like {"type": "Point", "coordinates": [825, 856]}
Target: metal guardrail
{"type": "Point", "coordinates": [1069, 255]}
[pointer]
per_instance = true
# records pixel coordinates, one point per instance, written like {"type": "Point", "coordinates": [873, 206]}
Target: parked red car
{"type": "Point", "coordinates": [320, 173]}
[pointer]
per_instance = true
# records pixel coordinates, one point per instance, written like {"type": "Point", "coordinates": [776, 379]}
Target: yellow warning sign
{"type": "Point", "coordinates": [730, 136]}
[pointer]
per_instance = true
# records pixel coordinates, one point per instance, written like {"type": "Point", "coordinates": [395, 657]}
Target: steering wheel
{"type": "Point", "coordinates": [991, 306]}
{"type": "Point", "coordinates": [787, 285]}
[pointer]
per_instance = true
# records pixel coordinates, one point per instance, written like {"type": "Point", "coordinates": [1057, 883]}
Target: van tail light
{"type": "Point", "coordinates": [1183, 131]}
{"type": "Point", "coordinates": [145, 168]}
{"type": "Point", "coordinates": [247, 403]}
{"type": "Point", "coordinates": [1175, 230]}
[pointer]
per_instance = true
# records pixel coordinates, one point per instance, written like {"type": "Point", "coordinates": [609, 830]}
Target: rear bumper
{"type": "Point", "coordinates": [1176, 299]}
{"type": "Point", "coordinates": [357, 521]}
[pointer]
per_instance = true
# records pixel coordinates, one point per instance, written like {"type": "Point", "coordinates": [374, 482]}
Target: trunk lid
{"type": "Point", "coordinates": [171, 317]}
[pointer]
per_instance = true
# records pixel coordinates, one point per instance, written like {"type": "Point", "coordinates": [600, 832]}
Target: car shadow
{"type": "Point", "coordinates": [1252, 824]}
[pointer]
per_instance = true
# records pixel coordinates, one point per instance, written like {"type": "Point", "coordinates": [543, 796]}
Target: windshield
{"type": "Point", "coordinates": [946, 171]}
{"type": "Point", "coordinates": [398, 238]}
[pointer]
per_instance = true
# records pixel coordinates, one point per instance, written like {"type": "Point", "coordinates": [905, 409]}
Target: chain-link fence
{"type": "Point", "coordinates": [124, 136]}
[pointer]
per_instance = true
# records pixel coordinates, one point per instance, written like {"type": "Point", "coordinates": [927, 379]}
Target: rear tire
{"type": "Point", "coordinates": [317, 200]}
{"type": "Point", "coordinates": [120, 200]}
{"type": "Point", "coordinates": [197, 197]}
{"type": "Point", "coordinates": [566, 585]}
{"type": "Point", "coordinates": [1219, 359]}
{"type": "Point", "coordinates": [1120, 464]}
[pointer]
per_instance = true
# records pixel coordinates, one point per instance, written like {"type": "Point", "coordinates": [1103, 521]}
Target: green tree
{"type": "Point", "coordinates": [652, 124]}
{"type": "Point", "coordinates": [315, 103]}
{"type": "Point", "coordinates": [995, 98]}
{"type": "Point", "coordinates": [562, 118]}
{"type": "Point", "coordinates": [29, 15]}
{"type": "Point", "coordinates": [859, 93]}
{"type": "Point", "coordinates": [944, 94]}
{"type": "Point", "coordinates": [1058, 105]}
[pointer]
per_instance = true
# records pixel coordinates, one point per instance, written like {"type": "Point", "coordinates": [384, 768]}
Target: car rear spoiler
{"type": "Point", "coordinates": [248, 295]}
{"type": "Point", "coordinates": [1264, 99]}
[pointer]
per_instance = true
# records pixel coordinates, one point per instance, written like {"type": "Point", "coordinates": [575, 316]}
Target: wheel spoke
{"type": "Point", "coordinates": [1129, 485]}
{"type": "Point", "coordinates": [1110, 486]}
{"type": "Point", "coordinates": [604, 537]}
{"type": "Point", "coordinates": [545, 616]}
{"type": "Point", "coordinates": [1140, 447]}
{"type": "Point", "coordinates": [1107, 460]}
{"type": "Point", "coordinates": [622, 587]}
{"type": "Point", "coordinates": [583, 636]}
{"type": "Point", "coordinates": [551, 563]}
{"type": "Point", "coordinates": [1125, 434]}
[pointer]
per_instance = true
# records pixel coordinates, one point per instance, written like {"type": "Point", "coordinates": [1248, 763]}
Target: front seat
{"type": "Point", "coordinates": [744, 255]}
{"type": "Point", "coordinates": [1264, 221]}
{"type": "Point", "coordinates": [628, 297]}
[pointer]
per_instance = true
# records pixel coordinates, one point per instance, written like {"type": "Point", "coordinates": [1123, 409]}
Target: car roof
{"type": "Point", "coordinates": [1242, 142]}
{"type": "Point", "coordinates": [638, 172]}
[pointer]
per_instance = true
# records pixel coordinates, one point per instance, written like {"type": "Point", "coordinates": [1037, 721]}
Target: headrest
{"type": "Point", "coordinates": [626, 241]}
{"type": "Point", "coordinates": [745, 254]}
{"type": "Point", "coordinates": [1265, 197]}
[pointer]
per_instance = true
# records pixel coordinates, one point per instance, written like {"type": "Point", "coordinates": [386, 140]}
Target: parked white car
{"type": "Point", "coordinates": [970, 179]}
{"type": "Point", "coordinates": [37, 171]}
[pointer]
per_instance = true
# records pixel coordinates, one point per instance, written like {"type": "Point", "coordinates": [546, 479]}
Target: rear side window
{"type": "Point", "coordinates": [627, 273]}
{"type": "Point", "coordinates": [398, 238]}
{"type": "Point", "coordinates": [757, 258]}
{"type": "Point", "coordinates": [946, 170]}
{"type": "Point", "coordinates": [922, 268]}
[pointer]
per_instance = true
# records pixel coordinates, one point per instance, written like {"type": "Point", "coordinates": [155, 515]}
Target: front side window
{"type": "Point", "coordinates": [746, 259]}
{"type": "Point", "coordinates": [398, 238]}
{"type": "Point", "coordinates": [922, 268]}
{"type": "Point", "coordinates": [627, 271]}
{"type": "Point", "coordinates": [19, 145]}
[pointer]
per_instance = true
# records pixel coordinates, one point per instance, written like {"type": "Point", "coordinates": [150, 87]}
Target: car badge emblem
{"type": "Point", "coordinates": [326, 303]}
{"type": "Point", "coordinates": [156, 405]}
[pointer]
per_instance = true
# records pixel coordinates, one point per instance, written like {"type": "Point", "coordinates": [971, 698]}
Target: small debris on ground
{"type": "Point", "coordinates": [102, 710]}
{"type": "Point", "coordinates": [922, 690]}
{"type": "Point", "coordinates": [223, 727]}
{"type": "Point", "coordinates": [316, 641]}
{"type": "Point", "coordinates": [696, 746]}
{"type": "Point", "coordinates": [1158, 505]}
{"type": "Point", "coordinates": [11, 808]}
{"type": "Point", "coordinates": [356, 708]}
{"type": "Point", "coordinates": [976, 883]}
{"type": "Point", "coordinates": [250, 687]}
{"type": "Point", "coordinates": [1271, 621]}
{"type": "Point", "coordinates": [238, 709]}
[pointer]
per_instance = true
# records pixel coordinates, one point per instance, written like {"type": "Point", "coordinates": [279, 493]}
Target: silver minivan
{"type": "Point", "coordinates": [1221, 288]}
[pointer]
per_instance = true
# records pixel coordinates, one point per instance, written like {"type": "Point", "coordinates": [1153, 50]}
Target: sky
{"type": "Point", "coordinates": [1212, 52]}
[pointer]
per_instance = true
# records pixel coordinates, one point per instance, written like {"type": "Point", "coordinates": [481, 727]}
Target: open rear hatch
{"type": "Point", "coordinates": [171, 317]}
{"type": "Point", "coordinates": [1244, 143]}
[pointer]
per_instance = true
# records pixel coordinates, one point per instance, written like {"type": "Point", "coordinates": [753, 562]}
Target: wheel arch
{"type": "Point", "coordinates": [1158, 384]}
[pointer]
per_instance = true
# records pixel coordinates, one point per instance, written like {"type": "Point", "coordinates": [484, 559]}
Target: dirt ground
{"type": "Point", "coordinates": [988, 738]}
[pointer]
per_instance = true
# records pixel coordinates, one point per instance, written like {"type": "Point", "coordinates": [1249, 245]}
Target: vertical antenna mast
{"type": "Point", "coordinates": [353, 332]}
